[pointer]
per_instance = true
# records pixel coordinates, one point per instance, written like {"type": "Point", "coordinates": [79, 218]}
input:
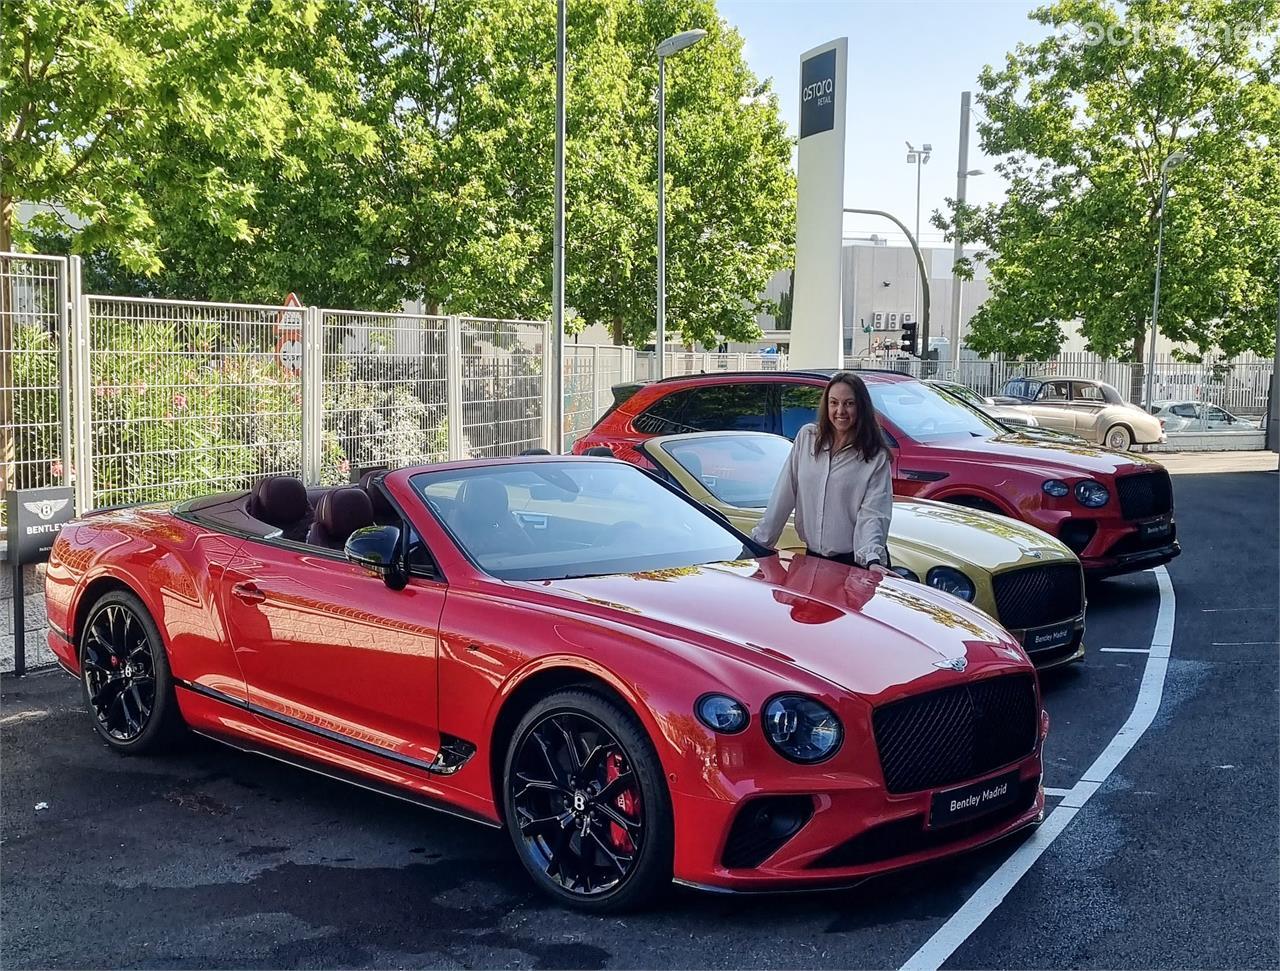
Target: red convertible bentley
{"type": "Point", "coordinates": [570, 649]}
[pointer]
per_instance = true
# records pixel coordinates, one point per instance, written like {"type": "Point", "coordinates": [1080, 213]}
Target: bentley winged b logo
{"type": "Point", "coordinates": [952, 663]}
{"type": "Point", "coordinates": [45, 508]}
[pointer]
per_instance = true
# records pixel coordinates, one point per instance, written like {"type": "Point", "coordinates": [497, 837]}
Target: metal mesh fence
{"type": "Point", "coordinates": [34, 450]}
{"type": "Point", "coordinates": [590, 372]}
{"type": "Point", "coordinates": [384, 397]}
{"type": "Point", "coordinates": [501, 386]}
{"type": "Point", "coordinates": [190, 398]}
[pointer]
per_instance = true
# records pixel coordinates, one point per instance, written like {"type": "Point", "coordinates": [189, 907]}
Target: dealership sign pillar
{"type": "Point", "coordinates": [816, 321]}
{"type": "Point", "coordinates": [35, 518]}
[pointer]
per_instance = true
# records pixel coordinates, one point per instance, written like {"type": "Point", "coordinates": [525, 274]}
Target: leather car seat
{"type": "Point", "coordinates": [484, 522]}
{"type": "Point", "coordinates": [340, 513]}
{"type": "Point", "coordinates": [281, 501]}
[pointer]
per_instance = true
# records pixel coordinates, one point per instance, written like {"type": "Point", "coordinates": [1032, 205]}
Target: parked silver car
{"type": "Point", "coordinates": [1197, 416]}
{"type": "Point", "coordinates": [1001, 413]}
{"type": "Point", "coordinates": [1091, 409]}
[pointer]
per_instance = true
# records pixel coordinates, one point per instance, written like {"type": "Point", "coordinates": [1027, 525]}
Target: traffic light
{"type": "Point", "coordinates": [908, 341]}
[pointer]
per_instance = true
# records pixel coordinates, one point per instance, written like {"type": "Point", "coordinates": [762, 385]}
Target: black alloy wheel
{"type": "Point", "coordinates": [586, 805]}
{"type": "Point", "coordinates": [125, 675]}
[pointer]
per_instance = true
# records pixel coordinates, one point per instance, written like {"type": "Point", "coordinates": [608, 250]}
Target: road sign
{"type": "Point", "coordinates": [289, 336]}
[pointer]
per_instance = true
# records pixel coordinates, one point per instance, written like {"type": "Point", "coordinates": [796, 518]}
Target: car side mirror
{"type": "Point", "coordinates": [376, 550]}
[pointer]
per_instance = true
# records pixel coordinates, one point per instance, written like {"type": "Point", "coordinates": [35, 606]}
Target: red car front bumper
{"type": "Point", "coordinates": [857, 830]}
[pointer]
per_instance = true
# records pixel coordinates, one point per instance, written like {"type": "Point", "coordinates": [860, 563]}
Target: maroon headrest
{"type": "Point", "coordinates": [382, 508]}
{"type": "Point", "coordinates": [280, 500]}
{"type": "Point", "coordinates": [342, 511]}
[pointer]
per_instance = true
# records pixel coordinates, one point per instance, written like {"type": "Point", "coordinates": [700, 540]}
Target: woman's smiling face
{"type": "Point", "coordinates": [841, 408]}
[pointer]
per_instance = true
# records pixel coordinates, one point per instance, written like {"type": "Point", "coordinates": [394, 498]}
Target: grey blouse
{"type": "Point", "coordinates": [842, 503]}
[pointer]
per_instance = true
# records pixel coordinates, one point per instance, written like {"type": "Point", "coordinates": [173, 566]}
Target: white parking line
{"type": "Point", "coordinates": [1124, 650]}
{"type": "Point", "coordinates": [1244, 643]}
{"type": "Point", "coordinates": [938, 948]}
{"type": "Point", "coordinates": [1056, 793]}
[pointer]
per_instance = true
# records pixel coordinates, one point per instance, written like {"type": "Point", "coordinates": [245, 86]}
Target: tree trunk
{"type": "Point", "coordinates": [617, 331]}
{"type": "Point", "coordinates": [7, 208]}
{"type": "Point", "coordinates": [1138, 379]}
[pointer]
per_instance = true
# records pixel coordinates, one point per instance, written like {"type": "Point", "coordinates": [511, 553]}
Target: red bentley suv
{"type": "Point", "coordinates": [1115, 510]}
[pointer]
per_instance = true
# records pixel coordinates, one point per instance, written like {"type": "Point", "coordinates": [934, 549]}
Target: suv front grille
{"type": "Point", "coordinates": [1038, 595]}
{"type": "Point", "coordinates": [1145, 494]}
{"type": "Point", "coordinates": [956, 733]}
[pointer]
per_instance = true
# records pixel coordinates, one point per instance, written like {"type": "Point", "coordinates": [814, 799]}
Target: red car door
{"type": "Point", "coordinates": [325, 647]}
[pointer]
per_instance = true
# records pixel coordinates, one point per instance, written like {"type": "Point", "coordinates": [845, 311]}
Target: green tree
{"type": "Point", "coordinates": [119, 109]}
{"type": "Point", "coordinates": [439, 186]}
{"type": "Point", "coordinates": [1083, 122]}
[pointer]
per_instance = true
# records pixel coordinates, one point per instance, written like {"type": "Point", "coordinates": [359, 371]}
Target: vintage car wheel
{"type": "Point", "coordinates": [586, 803]}
{"type": "Point", "coordinates": [1118, 438]}
{"type": "Point", "coordinates": [124, 671]}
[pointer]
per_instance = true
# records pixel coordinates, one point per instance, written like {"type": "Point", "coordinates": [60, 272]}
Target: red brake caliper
{"type": "Point", "coordinates": [626, 802]}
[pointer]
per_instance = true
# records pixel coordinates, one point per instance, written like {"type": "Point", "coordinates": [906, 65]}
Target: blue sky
{"type": "Point", "coordinates": [908, 63]}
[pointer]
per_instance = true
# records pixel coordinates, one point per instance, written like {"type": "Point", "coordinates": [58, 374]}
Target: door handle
{"type": "Point", "coordinates": [248, 592]}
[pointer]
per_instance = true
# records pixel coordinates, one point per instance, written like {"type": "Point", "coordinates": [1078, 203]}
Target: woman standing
{"type": "Point", "coordinates": [837, 481]}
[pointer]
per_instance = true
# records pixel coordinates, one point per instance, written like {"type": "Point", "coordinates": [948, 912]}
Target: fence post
{"type": "Point", "coordinates": [550, 441]}
{"type": "Point", "coordinates": [80, 369]}
{"type": "Point", "coordinates": [453, 385]}
{"type": "Point", "coordinates": [68, 301]}
{"type": "Point", "coordinates": [312, 405]}
{"type": "Point", "coordinates": [595, 382]}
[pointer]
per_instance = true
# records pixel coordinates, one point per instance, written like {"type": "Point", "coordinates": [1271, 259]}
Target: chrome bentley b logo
{"type": "Point", "coordinates": [45, 508]}
{"type": "Point", "coordinates": [952, 663]}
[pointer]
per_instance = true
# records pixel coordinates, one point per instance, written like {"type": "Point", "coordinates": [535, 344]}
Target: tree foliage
{"type": "Point", "coordinates": [1083, 122]}
{"type": "Point", "coordinates": [403, 149]}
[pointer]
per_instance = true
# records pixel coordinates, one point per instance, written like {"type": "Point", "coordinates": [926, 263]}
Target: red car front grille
{"type": "Point", "coordinates": [955, 733]}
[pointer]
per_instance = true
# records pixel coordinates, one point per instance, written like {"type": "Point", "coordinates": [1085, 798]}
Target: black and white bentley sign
{"type": "Point", "coordinates": [35, 517]}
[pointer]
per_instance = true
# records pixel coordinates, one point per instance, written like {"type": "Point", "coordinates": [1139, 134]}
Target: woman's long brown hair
{"type": "Point", "coordinates": [867, 438]}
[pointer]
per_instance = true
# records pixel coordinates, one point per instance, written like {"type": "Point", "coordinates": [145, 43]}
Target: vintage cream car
{"type": "Point", "coordinates": [1023, 577]}
{"type": "Point", "coordinates": [1091, 409]}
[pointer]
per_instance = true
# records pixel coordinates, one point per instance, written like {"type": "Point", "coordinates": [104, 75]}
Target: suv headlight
{"type": "Point", "coordinates": [1092, 494]}
{"type": "Point", "coordinates": [802, 729]}
{"type": "Point", "coordinates": [1055, 487]}
{"type": "Point", "coordinates": [952, 581]}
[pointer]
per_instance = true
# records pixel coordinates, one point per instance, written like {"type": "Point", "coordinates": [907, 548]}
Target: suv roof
{"type": "Point", "coordinates": [823, 373]}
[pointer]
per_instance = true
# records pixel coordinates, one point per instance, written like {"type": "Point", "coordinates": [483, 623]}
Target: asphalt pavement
{"type": "Point", "coordinates": [213, 858]}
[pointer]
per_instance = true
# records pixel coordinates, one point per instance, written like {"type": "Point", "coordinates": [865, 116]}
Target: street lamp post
{"type": "Point", "coordinates": [1177, 158]}
{"type": "Point", "coordinates": [672, 45]}
{"type": "Point", "coordinates": [919, 157]}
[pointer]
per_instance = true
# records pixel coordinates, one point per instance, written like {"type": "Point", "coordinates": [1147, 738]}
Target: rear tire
{"type": "Point", "coordinates": [1118, 438]}
{"type": "Point", "coordinates": [125, 677]}
{"type": "Point", "coordinates": [586, 803]}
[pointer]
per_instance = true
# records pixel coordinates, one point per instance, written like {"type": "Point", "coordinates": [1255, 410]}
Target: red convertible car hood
{"type": "Point", "coordinates": [850, 628]}
{"type": "Point", "coordinates": [1057, 458]}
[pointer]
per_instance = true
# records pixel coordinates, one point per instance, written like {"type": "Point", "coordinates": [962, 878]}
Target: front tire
{"type": "Point", "coordinates": [1118, 438]}
{"type": "Point", "coordinates": [125, 676]}
{"type": "Point", "coordinates": [586, 803]}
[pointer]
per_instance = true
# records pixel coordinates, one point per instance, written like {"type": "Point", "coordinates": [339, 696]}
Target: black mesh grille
{"type": "Point", "coordinates": [1038, 595]}
{"type": "Point", "coordinates": [1145, 494]}
{"type": "Point", "coordinates": [762, 826]}
{"type": "Point", "coordinates": [906, 836]}
{"type": "Point", "coordinates": [955, 734]}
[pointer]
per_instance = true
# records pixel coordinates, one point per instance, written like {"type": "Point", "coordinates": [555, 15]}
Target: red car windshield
{"type": "Point", "coordinates": [927, 415]}
{"type": "Point", "coordinates": [555, 520]}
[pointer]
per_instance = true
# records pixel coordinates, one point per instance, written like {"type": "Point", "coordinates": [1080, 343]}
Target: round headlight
{"type": "Point", "coordinates": [952, 581]}
{"type": "Point", "coordinates": [1056, 487]}
{"type": "Point", "coordinates": [721, 713]}
{"type": "Point", "coordinates": [1092, 494]}
{"type": "Point", "coordinates": [906, 574]}
{"type": "Point", "coordinates": [801, 729]}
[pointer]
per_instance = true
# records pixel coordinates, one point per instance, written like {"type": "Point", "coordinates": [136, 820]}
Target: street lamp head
{"type": "Point", "coordinates": [1177, 158]}
{"type": "Point", "coordinates": [974, 172]}
{"type": "Point", "coordinates": [678, 42]}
